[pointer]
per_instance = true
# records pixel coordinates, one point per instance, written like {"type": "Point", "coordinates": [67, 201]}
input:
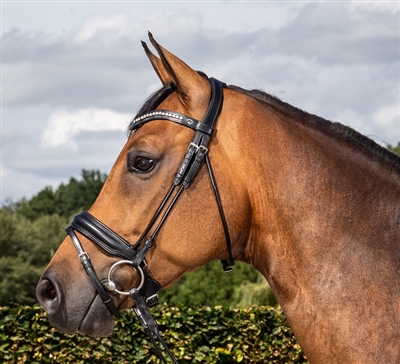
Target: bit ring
{"type": "Point", "coordinates": [111, 286]}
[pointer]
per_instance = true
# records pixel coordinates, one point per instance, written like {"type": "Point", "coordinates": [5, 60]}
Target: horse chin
{"type": "Point", "coordinates": [98, 321]}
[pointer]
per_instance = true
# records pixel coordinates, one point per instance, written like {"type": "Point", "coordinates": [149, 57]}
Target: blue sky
{"type": "Point", "coordinates": [73, 73]}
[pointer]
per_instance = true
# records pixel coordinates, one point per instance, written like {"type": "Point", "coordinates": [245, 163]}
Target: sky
{"type": "Point", "coordinates": [74, 74]}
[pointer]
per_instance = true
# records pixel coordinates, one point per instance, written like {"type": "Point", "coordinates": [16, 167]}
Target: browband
{"type": "Point", "coordinates": [206, 124]}
{"type": "Point", "coordinates": [170, 116]}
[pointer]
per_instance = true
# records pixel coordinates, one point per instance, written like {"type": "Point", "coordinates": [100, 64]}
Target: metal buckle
{"type": "Point", "coordinates": [152, 300]}
{"type": "Point", "coordinates": [204, 148]}
{"type": "Point", "coordinates": [194, 145]}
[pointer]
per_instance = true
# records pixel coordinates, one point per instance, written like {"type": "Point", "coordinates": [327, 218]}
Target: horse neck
{"type": "Point", "coordinates": [324, 230]}
{"type": "Point", "coordinates": [314, 198]}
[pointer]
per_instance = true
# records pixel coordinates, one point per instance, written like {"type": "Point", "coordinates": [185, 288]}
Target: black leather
{"type": "Point", "coordinates": [206, 124]}
{"type": "Point", "coordinates": [150, 325]}
{"type": "Point", "coordinates": [87, 265]}
{"type": "Point", "coordinates": [115, 245]}
{"type": "Point", "coordinates": [170, 116]}
{"type": "Point", "coordinates": [103, 236]}
{"type": "Point", "coordinates": [215, 105]}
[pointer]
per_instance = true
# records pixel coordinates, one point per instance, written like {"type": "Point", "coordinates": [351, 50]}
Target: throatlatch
{"type": "Point", "coordinates": [145, 295]}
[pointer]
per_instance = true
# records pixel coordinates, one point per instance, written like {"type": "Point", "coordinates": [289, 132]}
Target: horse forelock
{"type": "Point", "coordinates": [334, 129]}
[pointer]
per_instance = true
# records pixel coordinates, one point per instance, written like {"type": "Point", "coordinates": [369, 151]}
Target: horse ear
{"type": "Point", "coordinates": [157, 65]}
{"type": "Point", "coordinates": [192, 88]}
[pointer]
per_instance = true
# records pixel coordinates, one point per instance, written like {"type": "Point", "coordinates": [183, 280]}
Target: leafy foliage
{"type": "Point", "coordinates": [248, 293]}
{"type": "Point", "coordinates": [195, 335]}
{"type": "Point", "coordinates": [31, 231]}
{"type": "Point", "coordinates": [395, 150]}
{"type": "Point", "coordinates": [211, 286]}
{"type": "Point", "coordinates": [25, 249]}
{"type": "Point", "coordinates": [67, 199]}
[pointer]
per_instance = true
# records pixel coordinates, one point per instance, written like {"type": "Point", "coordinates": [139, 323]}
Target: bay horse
{"type": "Point", "coordinates": [313, 205]}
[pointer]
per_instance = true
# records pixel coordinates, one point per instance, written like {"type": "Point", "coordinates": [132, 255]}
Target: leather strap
{"type": "Point", "coordinates": [170, 116]}
{"type": "Point", "coordinates": [87, 265]}
{"type": "Point", "coordinates": [150, 325]}
{"type": "Point", "coordinates": [114, 244]}
{"type": "Point", "coordinates": [195, 154]}
{"type": "Point", "coordinates": [103, 236]}
{"type": "Point", "coordinates": [206, 124]}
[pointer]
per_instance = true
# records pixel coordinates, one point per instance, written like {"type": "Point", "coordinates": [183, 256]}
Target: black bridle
{"type": "Point", "coordinates": [146, 293]}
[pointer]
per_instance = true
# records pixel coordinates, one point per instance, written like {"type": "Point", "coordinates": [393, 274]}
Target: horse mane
{"type": "Point", "coordinates": [336, 129]}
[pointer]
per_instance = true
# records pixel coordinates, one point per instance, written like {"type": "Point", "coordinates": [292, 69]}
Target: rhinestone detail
{"type": "Point", "coordinates": [158, 113]}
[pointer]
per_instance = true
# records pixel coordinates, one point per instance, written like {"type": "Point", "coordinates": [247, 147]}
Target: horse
{"type": "Point", "coordinates": [216, 172]}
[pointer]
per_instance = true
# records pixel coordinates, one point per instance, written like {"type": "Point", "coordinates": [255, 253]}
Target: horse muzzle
{"type": "Point", "coordinates": [73, 308]}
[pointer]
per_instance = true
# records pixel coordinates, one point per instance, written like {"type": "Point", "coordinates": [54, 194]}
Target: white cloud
{"type": "Point", "coordinates": [376, 5]}
{"type": "Point", "coordinates": [63, 126]}
{"type": "Point", "coordinates": [16, 183]}
{"type": "Point", "coordinates": [334, 33]}
{"type": "Point", "coordinates": [82, 66]}
{"type": "Point", "coordinates": [109, 28]}
{"type": "Point", "coordinates": [387, 121]}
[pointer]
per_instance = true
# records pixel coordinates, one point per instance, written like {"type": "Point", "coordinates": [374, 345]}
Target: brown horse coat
{"type": "Point", "coordinates": [313, 205]}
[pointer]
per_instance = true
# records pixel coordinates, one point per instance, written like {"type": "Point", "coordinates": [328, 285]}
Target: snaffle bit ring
{"type": "Point", "coordinates": [112, 287]}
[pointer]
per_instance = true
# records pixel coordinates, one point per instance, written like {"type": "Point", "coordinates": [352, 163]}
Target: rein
{"type": "Point", "coordinates": [145, 295]}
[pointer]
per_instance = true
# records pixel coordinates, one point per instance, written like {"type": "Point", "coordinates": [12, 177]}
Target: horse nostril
{"type": "Point", "coordinates": [50, 292]}
{"type": "Point", "coordinates": [46, 292]}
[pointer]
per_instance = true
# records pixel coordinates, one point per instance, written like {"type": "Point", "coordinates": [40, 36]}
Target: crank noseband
{"type": "Point", "coordinates": [146, 293]}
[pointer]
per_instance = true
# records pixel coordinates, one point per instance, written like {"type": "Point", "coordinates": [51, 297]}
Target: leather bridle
{"type": "Point", "coordinates": [146, 293]}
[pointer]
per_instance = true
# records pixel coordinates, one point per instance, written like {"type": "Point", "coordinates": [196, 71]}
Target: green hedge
{"type": "Point", "coordinates": [195, 335]}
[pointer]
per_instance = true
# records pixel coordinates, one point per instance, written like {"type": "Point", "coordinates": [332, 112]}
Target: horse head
{"type": "Point", "coordinates": [147, 210]}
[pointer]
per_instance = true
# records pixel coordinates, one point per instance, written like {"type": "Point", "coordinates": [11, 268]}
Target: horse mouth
{"type": "Point", "coordinates": [97, 321]}
{"type": "Point", "coordinates": [74, 312]}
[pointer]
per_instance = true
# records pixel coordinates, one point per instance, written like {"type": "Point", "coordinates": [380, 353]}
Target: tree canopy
{"type": "Point", "coordinates": [395, 150]}
{"type": "Point", "coordinates": [66, 200]}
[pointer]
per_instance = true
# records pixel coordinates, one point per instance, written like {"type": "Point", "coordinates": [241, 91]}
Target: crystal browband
{"type": "Point", "coordinates": [171, 116]}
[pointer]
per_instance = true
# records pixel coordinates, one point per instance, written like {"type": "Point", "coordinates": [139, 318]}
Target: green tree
{"type": "Point", "coordinates": [41, 204]}
{"type": "Point", "coordinates": [67, 200]}
{"type": "Point", "coordinates": [26, 247]}
{"type": "Point", "coordinates": [8, 232]}
{"type": "Point", "coordinates": [46, 236]}
{"type": "Point", "coordinates": [211, 286]}
{"type": "Point", "coordinates": [395, 150]}
{"type": "Point", "coordinates": [18, 279]}
{"type": "Point", "coordinates": [254, 293]}
{"type": "Point", "coordinates": [79, 195]}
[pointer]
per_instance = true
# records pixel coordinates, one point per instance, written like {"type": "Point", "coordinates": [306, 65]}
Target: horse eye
{"type": "Point", "coordinates": [143, 164]}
